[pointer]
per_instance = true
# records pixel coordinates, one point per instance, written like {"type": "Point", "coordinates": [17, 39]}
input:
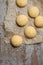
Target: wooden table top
{"type": "Point", "coordinates": [24, 55]}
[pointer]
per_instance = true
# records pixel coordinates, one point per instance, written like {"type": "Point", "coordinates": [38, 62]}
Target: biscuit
{"type": "Point", "coordinates": [16, 40]}
{"type": "Point", "coordinates": [39, 21]}
{"type": "Point", "coordinates": [30, 32]}
{"type": "Point", "coordinates": [22, 20]}
{"type": "Point", "coordinates": [21, 3]}
{"type": "Point", "coordinates": [33, 11]}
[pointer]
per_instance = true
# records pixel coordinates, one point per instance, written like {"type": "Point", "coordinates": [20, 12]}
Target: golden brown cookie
{"type": "Point", "coordinates": [39, 21]}
{"type": "Point", "coordinates": [33, 11]}
{"type": "Point", "coordinates": [30, 32]}
{"type": "Point", "coordinates": [21, 3]}
{"type": "Point", "coordinates": [22, 20]}
{"type": "Point", "coordinates": [16, 40]}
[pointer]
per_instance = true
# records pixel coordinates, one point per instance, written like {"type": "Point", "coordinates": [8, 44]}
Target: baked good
{"type": "Point", "coordinates": [30, 32]}
{"type": "Point", "coordinates": [33, 11]}
{"type": "Point", "coordinates": [39, 21]}
{"type": "Point", "coordinates": [21, 3]}
{"type": "Point", "coordinates": [22, 20]}
{"type": "Point", "coordinates": [16, 40]}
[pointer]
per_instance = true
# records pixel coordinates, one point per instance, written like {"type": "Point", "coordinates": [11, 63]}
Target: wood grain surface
{"type": "Point", "coordinates": [24, 55]}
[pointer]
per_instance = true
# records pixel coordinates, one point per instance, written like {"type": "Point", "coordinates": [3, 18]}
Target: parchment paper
{"type": "Point", "coordinates": [11, 27]}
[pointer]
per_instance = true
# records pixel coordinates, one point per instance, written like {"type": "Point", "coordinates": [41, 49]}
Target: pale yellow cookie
{"type": "Point", "coordinates": [22, 20]}
{"type": "Point", "coordinates": [21, 3]}
{"type": "Point", "coordinates": [16, 40]}
{"type": "Point", "coordinates": [30, 32]}
{"type": "Point", "coordinates": [39, 21]}
{"type": "Point", "coordinates": [33, 11]}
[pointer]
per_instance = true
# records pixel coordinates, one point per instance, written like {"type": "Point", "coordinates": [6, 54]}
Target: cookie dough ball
{"type": "Point", "coordinates": [33, 11]}
{"type": "Point", "coordinates": [21, 3]}
{"type": "Point", "coordinates": [22, 20]}
{"type": "Point", "coordinates": [16, 40]}
{"type": "Point", "coordinates": [30, 32]}
{"type": "Point", "coordinates": [39, 21]}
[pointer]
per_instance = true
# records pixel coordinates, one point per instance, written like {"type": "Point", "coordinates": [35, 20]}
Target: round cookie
{"type": "Point", "coordinates": [33, 11]}
{"type": "Point", "coordinates": [22, 20]}
{"type": "Point", "coordinates": [30, 32]}
{"type": "Point", "coordinates": [39, 21]}
{"type": "Point", "coordinates": [16, 40]}
{"type": "Point", "coordinates": [21, 3]}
